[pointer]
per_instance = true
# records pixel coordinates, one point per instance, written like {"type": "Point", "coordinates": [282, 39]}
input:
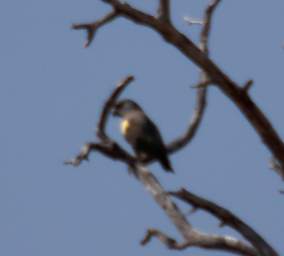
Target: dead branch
{"type": "Point", "coordinates": [164, 11]}
{"type": "Point", "coordinates": [193, 237]}
{"type": "Point", "coordinates": [204, 81]}
{"type": "Point", "coordinates": [207, 21]}
{"type": "Point", "coordinates": [227, 218]}
{"type": "Point", "coordinates": [108, 105]}
{"type": "Point", "coordinates": [92, 28]}
{"type": "Point", "coordinates": [225, 243]}
{"type": "Point", "coordinates": [195, 122]}
{"type": "Point", "coordinates": [110, 148]}
{"type": "Point", "coordinates": [247, 86]}
{"type": "Point", "coordinates": [168, 241]}
{"type": "Point", "coordinates": [222, 242]}
{"type": "Point", "coordinates": [106, 146]}
{"type": "Point", "coordinates": [232, 90]}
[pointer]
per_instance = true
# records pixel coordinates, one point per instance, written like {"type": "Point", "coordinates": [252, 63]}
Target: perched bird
{"type": "Point", "coordinates": [141, 133]}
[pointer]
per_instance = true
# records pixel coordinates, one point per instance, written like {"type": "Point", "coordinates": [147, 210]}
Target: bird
{"type": "Point", "coordinates": [141, 133]}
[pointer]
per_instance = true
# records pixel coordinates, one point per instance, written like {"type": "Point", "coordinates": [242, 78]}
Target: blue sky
{"type": "Point", "coordinates": [52, 91]}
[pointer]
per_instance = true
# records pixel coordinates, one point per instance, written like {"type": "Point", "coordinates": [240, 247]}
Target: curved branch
{"type": "Point", "coordinates": [111, 149]}
{"type": "Point", "coordinates": [195, 122]}
{"type": "Point", "coordinates": [164, 12]}
{"type": "Point", "coordinates": [107, 146]}
{"type": "Point", "coordinates": [227, 218]}
{"type": "Point", "coordinates": [108, 105]}
{"type": "Point", "coordinates": [201, 97]}
{"type": "Point", "coordinates": [232, 90]}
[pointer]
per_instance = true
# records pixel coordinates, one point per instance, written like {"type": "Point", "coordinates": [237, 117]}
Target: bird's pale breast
{"type": "Point", "coordinates": [124, 126]}
{"type": "Point", "coordinates": [131, 129]}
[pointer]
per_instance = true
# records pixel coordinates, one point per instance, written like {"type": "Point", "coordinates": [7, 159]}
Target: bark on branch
{"type": "Point", "coordinates": [164, 11]}
{"type": "Point", "coordinates": [225, 243]}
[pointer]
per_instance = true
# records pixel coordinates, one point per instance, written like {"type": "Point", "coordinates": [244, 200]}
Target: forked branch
{"type": "Point", "coordinates": [210, 74]}
{"type": "Point", "coordinates": [192, 237]}
{"type": "Point", "coordinates": [231, 89]}
{"type": "Point", "coordinates": [227, 218]}
{"type": "Point", "coordinates": [92, 28]}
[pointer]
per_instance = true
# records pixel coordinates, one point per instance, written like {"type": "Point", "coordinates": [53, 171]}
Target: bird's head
{"type": "Point", "coordinates": [124, 107]}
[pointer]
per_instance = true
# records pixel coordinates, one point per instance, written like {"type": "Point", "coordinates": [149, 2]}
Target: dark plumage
{"type": "Point", "coordinates": [141, 133]}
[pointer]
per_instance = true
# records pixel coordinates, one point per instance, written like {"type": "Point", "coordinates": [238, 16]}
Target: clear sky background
{"type": "Point", "coordinates": [52, 91]}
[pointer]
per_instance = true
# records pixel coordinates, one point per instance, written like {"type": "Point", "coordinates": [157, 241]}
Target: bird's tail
{"type": "Point", "coordinates": [165, 162]}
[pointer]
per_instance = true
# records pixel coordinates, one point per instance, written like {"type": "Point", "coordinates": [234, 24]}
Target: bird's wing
{"type": "Point", "coordinates": [154, 145]}
{"type": "Point", "coordinates": [152, 136]}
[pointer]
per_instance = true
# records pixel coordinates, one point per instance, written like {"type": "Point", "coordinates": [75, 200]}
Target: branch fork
{"type": "Point", "coordinates": [199, 55]}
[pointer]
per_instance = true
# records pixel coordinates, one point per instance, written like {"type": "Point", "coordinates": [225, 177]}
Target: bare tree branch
{"type": "Point", "coordinates": [193, 237]}
{"type": "Point", "coordinates": [168, 241]}
{"type": "Point", "coordinates": [207, 21]}
{"type": "Point", "coordinates": [210, 72]}
{"type": "Point", "coordinates": [232, 90]}
{"type": "Point", "coordinates": [111, 149]}
{"type": "Point", "coordinates": [164, 11]}
{"type": "Point", "coordinates": [248, 85]}
{"type": "Point", "coordinates": [227, 218]}
{"type": "Point", "coordinates": [195, 122]}
{"type": "Point", "coordinates": [225, 243]}
{"type": "Point", "coordinates": [201, 97]}
{"type": "Point", "coordinates": [84, 154]}
{"type": "Point", "coordinates": [91, 28]}
{"type": "Point", "coordinates": [108, 105]}
{"type": "Point", "coordinates": [107, 146]}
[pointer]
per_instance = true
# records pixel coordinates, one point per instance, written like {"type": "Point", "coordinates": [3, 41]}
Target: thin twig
{"type": "Point", "coordinates": [164, 11]}
{"type": "Point", "coordinates": [108, 105]}
{"type": "Point", "coordinates": [110, 149]}
{"type": "Point", "coordinates": [168, 241]}
{"type": "Point", "coordinates": [91, 28]}
{"type": "Point", "coordinates": [191, 21]}
{"type": "Point", "coordinates": [247, 86]}
{"type": "Point", "coordinates": [205, 33]}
